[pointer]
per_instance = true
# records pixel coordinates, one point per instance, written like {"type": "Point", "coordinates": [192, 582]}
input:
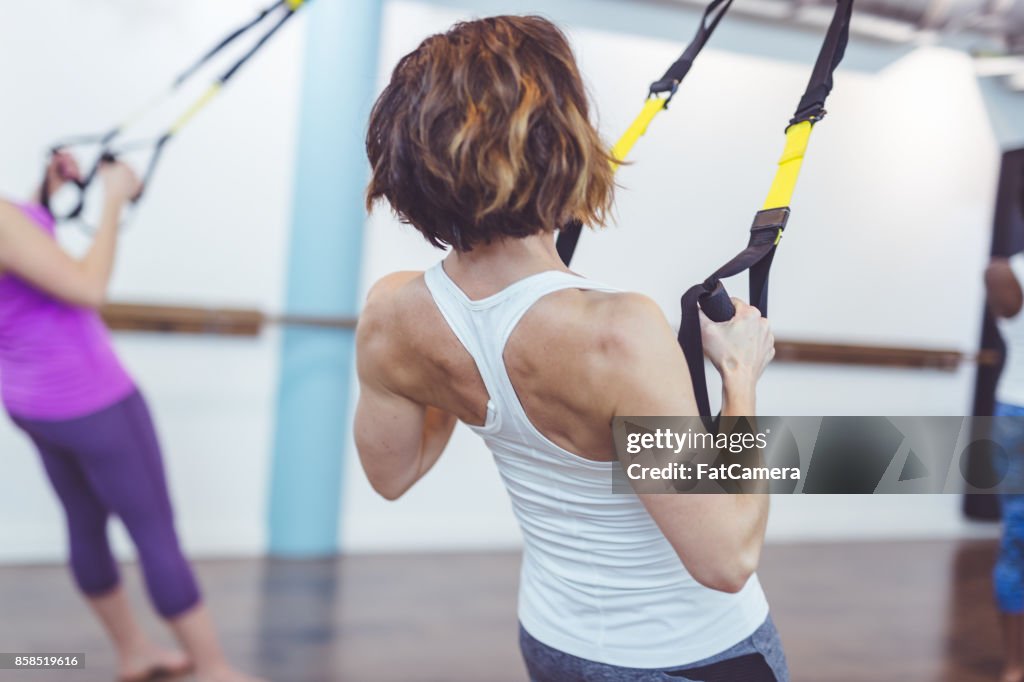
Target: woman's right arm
{"type": "Point", "coordinates": [33, 256]}
{"type": "Point", "coordinates": [718, 537]}
{"type": "Point", "coordinates": [398, 440]}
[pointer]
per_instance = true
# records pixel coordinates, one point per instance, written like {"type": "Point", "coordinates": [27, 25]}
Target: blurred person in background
{"type": "Point", "coordinates": [1003, 279]}
{"type": "Point", "coordinates": [63, 385]}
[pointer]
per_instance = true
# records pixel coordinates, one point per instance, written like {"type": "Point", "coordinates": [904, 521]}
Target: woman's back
{"type": "Point", "coordinates": [599, 580]}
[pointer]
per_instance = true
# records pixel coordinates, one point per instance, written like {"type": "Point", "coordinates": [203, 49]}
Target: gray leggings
{"type": "Point", "coordinates": [758, 658]}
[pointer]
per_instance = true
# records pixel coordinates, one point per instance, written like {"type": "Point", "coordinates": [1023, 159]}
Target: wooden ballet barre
{"type": "Point", "coordinates": [880, 356]}
{"type": "Point", "coordinates": [250, 322]}
{"type": "Point", "coordinates": [293, 320]}
{"type": "Point", "coordinates": [169, 319]}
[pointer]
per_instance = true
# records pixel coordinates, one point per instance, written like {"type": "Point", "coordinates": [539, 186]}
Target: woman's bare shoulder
{"type": "Point", "coordinates": [609, 312]}
{"type": "Point", "coordinates": [388, 301]}
{"type": "Point", "coordinates": [391, 283]}
{"type": "Point", "coordinates": [390, 291]}
{"type": "Point", "coordinates": [610, 325]}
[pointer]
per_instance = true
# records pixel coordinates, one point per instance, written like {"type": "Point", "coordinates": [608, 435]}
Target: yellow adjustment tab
{"type": "Point", "coordinates": [781, 192]}
{"type": "Point", "coordinates": [637, 129]}
{"type": "Point", "coordinates": [183, 120]}
{"type": "Point", "coordinates": [294, 4]}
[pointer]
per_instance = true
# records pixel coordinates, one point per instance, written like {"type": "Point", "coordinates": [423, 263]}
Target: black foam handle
{"type": "Point", "coordinates": [717, 304]}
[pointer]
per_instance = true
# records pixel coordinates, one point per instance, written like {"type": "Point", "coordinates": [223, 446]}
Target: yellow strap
{"type": "Point", "coordinates": [210, 93]}
{"type": "Point", "coordinates": [781, 193]}
{"type": "Point", "coordinates": [294, 4]}
{"type": "Point", "coordinates": [639, 126]}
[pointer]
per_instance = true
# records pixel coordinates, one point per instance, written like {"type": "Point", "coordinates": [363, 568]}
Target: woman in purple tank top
{"type": "Point", "coordinates": [63, 385]}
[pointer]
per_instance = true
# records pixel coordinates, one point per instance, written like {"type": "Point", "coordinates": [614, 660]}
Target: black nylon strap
{"type": "Point", "coordinates": [227, 40]}
{"type": "Point", "coordinates": [760, 252]}
{"type": "Point", "coordinates": [757, 258]}
{"type": "Point", "coordinates": [104, 140]}
{"type": "Point", "coordinates": [44, 190]}
{"type": "Point", "coordinates": [569, 235]}
{"type": "Point", "coordinates": [677, 72]}
{"type": "Point", "coordinates": [161, 143]}
{"type": "Point", "coordinates": [147, 175]}
{"type": "Point", "coordinates": [256, 48]}
{"type": "Point", "coordinates": [812, 104]}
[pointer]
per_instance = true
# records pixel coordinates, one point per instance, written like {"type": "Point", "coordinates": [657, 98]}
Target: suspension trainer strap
{"type": "Point", "coordinates": [227, 40]}
{"type": "Point", "coordinates": [661, 93]}
{"type": "Point", "coordinates": [258, 46]}
{"type": "Point", "coordinates": [185, 75]}
{"type": "Point", "coordinates": [211, 93]}
{"type": "Point", "coordinates": [812, 104]}
{"type": "Point", "coordinates": [677, 72]}
{"type": "Point", "coordinates": [770, 222]}
{"type": "Point", "coordinates": [105, 140]}
{"type": "Point", "coordinates": [711, 296]}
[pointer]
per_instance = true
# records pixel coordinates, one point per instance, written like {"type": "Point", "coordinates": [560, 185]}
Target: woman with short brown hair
{"type": "Point", "coordinates": [483, 142]}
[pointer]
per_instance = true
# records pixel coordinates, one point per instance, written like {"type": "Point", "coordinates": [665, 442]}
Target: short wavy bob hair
{"type": "Point", "coordinates": [484, 134]}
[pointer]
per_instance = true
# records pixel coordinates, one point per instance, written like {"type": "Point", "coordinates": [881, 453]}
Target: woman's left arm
{"type": "Point", "coordinates": [398, 439]}
{"type": "Point", "coordinates": [1002, 289]}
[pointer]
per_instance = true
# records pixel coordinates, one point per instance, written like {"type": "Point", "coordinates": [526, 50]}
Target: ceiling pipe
{"type": "Point", "coordinates": [998, 25]}
{"type": "Point", "coordinates": [877, 19]}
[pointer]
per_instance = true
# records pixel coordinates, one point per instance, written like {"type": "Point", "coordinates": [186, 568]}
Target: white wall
{"type": "Point", "coordinates": [890, 232]}
{"type": "Point", "coordinates": [213, 229]}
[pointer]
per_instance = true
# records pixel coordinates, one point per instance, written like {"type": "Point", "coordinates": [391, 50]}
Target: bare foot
{"type": "Point", "coordinates": [1012, 674]}
{"type": "Point", "coordinates": [225, 674]}
{"type": "Point", "coordinates": [151, 661]}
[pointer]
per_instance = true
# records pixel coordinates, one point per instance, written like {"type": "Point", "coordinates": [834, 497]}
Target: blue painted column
{"type": "Point", "coordinates": [316, 375]}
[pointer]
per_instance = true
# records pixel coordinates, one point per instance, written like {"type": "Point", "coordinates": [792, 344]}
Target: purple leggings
{"type": "Point", "coordinates": [107, 463]}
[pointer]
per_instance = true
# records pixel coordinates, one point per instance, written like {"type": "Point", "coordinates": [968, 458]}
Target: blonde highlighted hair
{"type": "Point", "coordinates": [483, 133]}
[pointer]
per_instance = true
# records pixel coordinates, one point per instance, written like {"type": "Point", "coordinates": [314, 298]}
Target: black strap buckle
{"type": "Point", "coordinates": [771, 219]}
{"type": "Point", "coordinates": [769, 225]}
{"type": "Point", "coordinates": [812, 114]}
{"type": "Point", "coordinates": [669, 85]}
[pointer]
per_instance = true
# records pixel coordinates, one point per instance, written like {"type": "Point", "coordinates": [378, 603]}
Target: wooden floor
{"type": "Point", "coordinates": [847, 612]}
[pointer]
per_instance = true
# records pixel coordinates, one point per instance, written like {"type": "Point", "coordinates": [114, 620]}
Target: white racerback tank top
{"type": "Point", "coordinates": [598, 580]}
